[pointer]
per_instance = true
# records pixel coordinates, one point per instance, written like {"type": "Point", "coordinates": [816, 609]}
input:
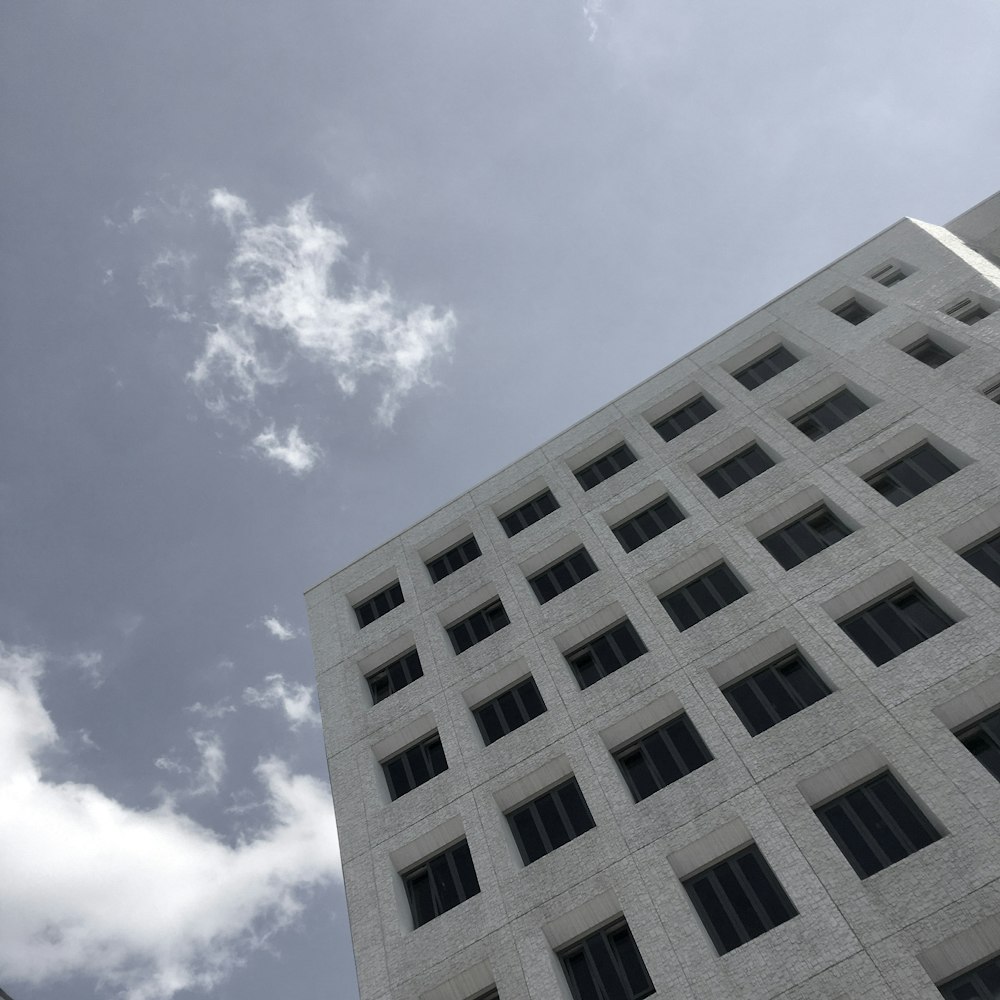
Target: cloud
{"type": "Point", "coordinates": [278, 628]}
{"type": "Point", "coordinates": [216, 711]}
{"type": "Point", "coordinates": [90, 664]}
{"type": "Point", "coordinates": [231, 207]}
{"type": "Point", "coordinates": [592, 10]}
{"type": "Point", "coordinates": [295, 453]}
{"type": "Point", "coordinates": [146, 902]}
{"type": "Point", "coordinates": [296, 700]}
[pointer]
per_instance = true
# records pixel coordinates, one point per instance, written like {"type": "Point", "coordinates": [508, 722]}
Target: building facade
{"type": "Point", "coordinates": [702, 697]}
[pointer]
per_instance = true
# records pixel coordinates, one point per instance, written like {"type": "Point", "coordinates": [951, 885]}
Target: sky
{"type": "Point", "coordinates": [278, 280]}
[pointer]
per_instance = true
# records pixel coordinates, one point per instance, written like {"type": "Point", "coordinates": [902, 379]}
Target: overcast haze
{"type": "Point", "coordinates": [279, 279]}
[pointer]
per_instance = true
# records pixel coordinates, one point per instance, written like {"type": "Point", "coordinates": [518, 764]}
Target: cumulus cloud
{"type": "Point", "coordinates": [147, 902]}
{"type": "Point", "coordinates": [298, 455]}
{"type": "Point", "coordinates": [294, 699]}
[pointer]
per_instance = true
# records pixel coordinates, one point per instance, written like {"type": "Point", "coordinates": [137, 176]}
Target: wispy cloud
{"type": "Point", "coordinates": [592, 10]}
{"type": "Point", "coordinates": [296, 454]}
{"type": "Point", "coordinates": [215, 711]}
{"type": "Point", "coordinates": [207, 775]}
{"type": "Point", "coordinates": [91, 664]}
{"type": "Point", "coordinates": [294, 699]}
{"type": "Point", "coordinates": [278, 628]}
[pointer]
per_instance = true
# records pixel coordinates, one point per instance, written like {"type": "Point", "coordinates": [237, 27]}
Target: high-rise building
{"type": "Point", "coordinates": [701, 698]}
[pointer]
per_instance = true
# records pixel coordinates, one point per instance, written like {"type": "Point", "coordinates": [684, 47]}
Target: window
{"type": "Point", "coordinates": [930, 353]}
{"type": "Point", "coordinates": [414, 766]}
{"type": "Point", "coordinates": [895, 624]}
{"type": "Point", "coordinates": [993, 392]}
{"type": "Point", "coordinates": [805, 537]}
{"type": "Point", "coordinates": [888, 275]}
{"type": "Point", "coordinates": [605, 467]}
{"type": "Point", "coordinates": [739, 899]}
{"type": "Point", "coordinates": [551, 820]}
{"type": "Point", "coordinates": [509, 710]}
{"type": "Point", "coordinates": [490, 994]}
{"type": "Point", "coordinates": [606, 965]}
{"type": "Point", "coordinates": [736, 471]}
{"type": "Point", "coordinates": [393, 676]}
{"type": "Point", "coordinates": [676, 423]}
{"type": "Point", "coordinates": [827, 416]}
{"type": "Point", "coordinates": [605, 653]}
{"type": "Point", "coordinates": [380, 604]}
{"type": "Point", "coordinates": [980, 983]}
{"type": "Point", "coordinates": [560, 576]}
{"type": "Point", "coordinates": [703, 596]}
{"type": "Point", "coordinates": [982, 740]}
{"type": "Point", "coordinates": [910, 475]}
{"type": "Point", "coordinates": [853, 311]}
{"type": "Point", "coordinates": [758, 372]}
{"type": "Point", "coordinates": [479, 625]}
{"type": "Point", "coordinates": [968, 311]}
{"type": "Point", "coordinates": [661, 757]}
{"type": "Point", "coordinates": [528, 513]}
{"type": "Point", "coordinates": [775, 692]}
{"type": "Point", "coordinates": [455, 558]}
{"type": "Point", "coordinates": [985, 556]}
{"type": "Point", "coordinates": [876, 825]}
{"type": "Point", "coordinates": [647, 524]}
{"type": "Point", "coordinates": [441, 883]}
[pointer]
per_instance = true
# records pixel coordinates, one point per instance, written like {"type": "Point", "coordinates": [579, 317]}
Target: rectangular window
{"type": "Point", "coordinates": [968, 311]}
{"type": "Point", "coordinates": [455, 558]}
{"type": "Point", "coordinates": [661, 757]}
{"type": "Point", "coordinates": [647, 524]}
{"type": "Point", "coordinates": [560, 576]}
{"type": "Point", "coordinates": [888, 275]}
{"type": "Point", "coordinates": [993, 392]}
{"type": "Point", "coordinates": [379, 604]}
{"type": "Point", "coordinates": [909, 476]}
{"type": "Point", "coordinates": [985, 556]}
{"type": "Point", "coordinates": [827, 416]}
{"type": "Point", "coordinates": [876, 825]}
{"type": "Point", "coordinates": [895, 624]}
{"type": "Point", "coordinates": [479, 625]}
{"type": "Point", "coordinates": [414, 766]}
{"type": "Point", "coordinates": [982, 740]}
{"type": "Point", "coordinates": [605, 467]}
{"type": "Point", "coordinates": [553, 819]}
{"type": "Point", "coordinates": [703, 596]}
{"type": "Point", "coordinates": [758, 372]}
{"type": "Point", "coordinates": [393, 676]}
{"type": "Point", "coordinates": [528, 513]}
{"type": "Point", "coordinates": [931, 354]}
{"type": "Point", "coordinates": [736, 471]}
{"type": "Point", "coordinates": [805, 537]}
{"type": "Point", "coordinates": [605, 653]}
{"type": "Point", "coordinates": [606, 965]}
{"type": "Point", "coordinates": [441, 883]}
{"type": "Point", "coordinates": [775, 692]}
{"type": "Point", "coordinates": [509, 710]}
{"type": "Point", "coordinates": [853, 311]}
{"type": "Point", "coordinates": [676, 423]}
{"type": "Point", "coordinates": [980, 983]}
{"type": "Point", "coordinates": [739, 899]}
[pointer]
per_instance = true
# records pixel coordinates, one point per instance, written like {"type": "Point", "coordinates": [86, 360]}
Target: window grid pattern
{"type": "Point", "coordinates": [735, 471]}
{"type": "Point", "coordinates": [929, 352]}
{"type": "Point", "coordinates": [441, 883]}
{"type": "Point", "coordinates": [775, 693]}
{"type": "Point", "coordinates": [968, 311]}
{"type": "Point", "coordinates": [528, 513]}
{"type": "Point", "coordinates": [676, 423]}
{"type": "Point", "coordinates": [393, 676]}
{"type": "Point", "coordinates": [763, 369]}
{"type": "Point", "coordinates": [414, 766]}
{"type": "Point", "coordinates": [547, 822]}
{"type": "Point", "coordinates": [696, 600]}
{"type": "Point", "coordinates": [605, 653]}
{"type": "Point", "coordinates": [853, 311]}
{"type": "Point", "coordinates": [455, 558]}
{"type": "Point", "coordinates": [662, 757]}
{"type": "Point", "coordinates": [985, 556]}
{"type": "Point", "coordinates": [379, 604]}
{"type": "Point", "coordinates": [911, 475]}
{"type": "Point", "coordinates": [982, 740]}
{"type": "Point", "coordinates": [821, 419]}
{"type": "Point", "coordinates": [606, 965]}
{"type": "Point", "coordinates": [805, 537]}
{"type": "Point", "coordinates": [980, 983]}
{"type": "Point", "coordinates": [560, 576]}
{"type": "Point", "coordinates": [647, 524]}
{"type": "Point", "coordinates": [895, 624]}
{"type": "Point", "coordinates": [605, 467]}
{"type": "Point", "coordinates": [509, 710]}
{"type": "Point", "coordinates": [479, 625]}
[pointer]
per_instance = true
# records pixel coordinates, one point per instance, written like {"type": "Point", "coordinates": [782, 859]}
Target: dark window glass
{"type": "Point", "coordinates": [605, 467]}
{"type": "Point", "coordinates": [414, 766]}
{"type": "Point", "coordinates": [853, 311]}
{"type": "Point", "coordinates": [605, 653]}
{"type": "Point", "coordinates": [606, 965]}
{"type": "Point", "coordinates": [455, 558]}
{"type": "Point", "coordinates": [739, 899]}
{"type": "Point", "coordinates": [993, 392]}
{"type": "Point", "coordinates": [560, 576]}
{"type": "Point", "coordinates": [736, 471]}
{"type": "Point", "coordinates": [686, 417]}
{"type": "Point", "coordinates": [479, 625]}
{"type": "Point", "coordinates": [440, 883]}
{"type": "Point", "coordinates": [389, 679]}
{"type": "Point", "coordinates": [876, 825]}
{"type": "Point", "coordinates": [551, 820]}
{"type": "Point", "coordinates": [662, 757]}
{"type": "Point", "coordinates": [775, 692]}
{"type": "Point", "coordinates": [798, 541]}
{"type": "Point", "coordinates": [509, 710]}
{"type": "Point", "coordinates": [980, 983]}
{"type": "Point", "coordinates": [968, 312]}
{"type": "Point", "coordinates": [758, 372]}
{"type": "Point", "coordinates": [647, 524]}
{"type": "Point", "coordinates": [380, 604]}
{"type": "Point", "coordinates": [703, 596]}
{"type": "Point", "coordinates": [827, 416]}
{"type": "Point", "coordinates": [985, 556]}
{"type": "Point", "coordinates": [490, 994]}
{"type": "Point", "coordinates": [931, 354]}
{"type": "Point", "coordinates": [528, 513]}
{"type": "Point", "coordinates": [907, 477]}
{"type": "Point", "coordinates": [888, 275]}
{"type": "Point", "coordinates": [895, 624]}
{"type": "Point", "coordinates": [982, 740]}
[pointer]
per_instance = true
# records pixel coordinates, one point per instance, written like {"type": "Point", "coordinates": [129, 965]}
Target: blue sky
{"type": "Point", "coordinates": [280, 279]}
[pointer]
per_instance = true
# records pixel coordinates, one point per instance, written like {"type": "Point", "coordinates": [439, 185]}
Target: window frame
{"type": "Point", "coordinates": [830, 405]}
{"type": "Point", "coordinates": [615, 460]}
{"type": "Point", "coordinates": [533, 507]}
{"type": "Point", "coordinates": [668, 426]}
{"type": "Point", "coordinates": [390, 593]}
{"type": "Point", "coordinates": [544, 809]}
{"type": "Point", "coordinates": [908, 462]}
{"type": "Point", "coordinates": [611, 636]}
{"type": "Point", "coordinates": [990, 546]}
{"type": "Point", "coordinates": [973, 977]}
{"type": "Point", "coordinates": [794, 545]}
{"type": "Point", "coordinates": [853, 311]}
{"type": "Point", "coordinates": [575, 567]}
{"type": "Point", "coordinates": [987, 728]}
{"type": "Point", "coordinates": [756, 370]}
{"type": "Point", "coordinates": [516, 693]}
{"type": "Point", "coordinates": [667, 732]}
{"type": "Point", "coordinates": [929, 352]}
{"type": "Point", "coordinates": [587, 945]}
{"type": "Point", "coordinates": [481, 614]}
{"type": "Point", "coordinates": [411, 673]}
{"type": "Point", "coordinates": [458, 885]}
{"type": "Point", "coordinates": [721, 474]}
{"type": "Point", "coordinates": [650, 515]}
{"type": "Point", "coordinates": [423, 746]}
{"type": "Point", "coordinates": [711, 586]}
{"type": "Point", "coordinates": [442, 566]}
{"type": "Point", "coordinates": [969, 310]}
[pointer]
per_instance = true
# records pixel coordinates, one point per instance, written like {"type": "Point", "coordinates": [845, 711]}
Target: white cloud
{"type": "Point", "coordinates": [231, 207]}
{"type": "Point", "coordinates": [90, 664]}
{"type": "Point", "coordinates": [297, 454]}
{"type": "Point", "coordinates": [166, 281]}
{"type": "Point", "coordinates": [211, 769]}
{"type": "Point", "coordinates": [147, 902]}
{"type": "Point", "coordinates": [592, 10]}
{"type": "Point", "coordinates": [278, 628]}
{"type": "Point", "coordinates": [216, 711]}
{"type": "Point", "coordinates": [296, 700]}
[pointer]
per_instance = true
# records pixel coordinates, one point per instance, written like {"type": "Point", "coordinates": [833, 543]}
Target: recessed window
{"type": "Point", "coordinates": [853, 311]}
{"type": "Point", "coordinates": [676, 423]}
{"type": "Point", "coordinates": [549, 821]}
{"type": "Point", "coordinates": [490, 994]}
{"type": "Point", "coordinates": [895, 624]}
{"type": "Point", "coordinates": [876, 825]}
{"type": "Point", "coordinates": [509, 710]}
{"type": "Point", "coordinates": [661, 757]}
{"type": "Point", "coordinates": [888, 274]}
{"type": "Point", "coordinates": [414, 766]}
{"type": "Point", "coordinates": [739, 899]}
{"type": "Point", "coordinates": [528, 513]}
{"type": "Point", "coordinates": [393, 676]}
{"type": "Point", "coordinates": [980, 983]}
{"type": "Point", "coordinates": [605, 467]}
{"type": "Point", "coordinates": [441, 883]}
{"type": "Point", "coordinates": [703, 596]}
{"type": "Point", "coordinates": [647, 524]}
{"type": "Point", "coordinates": [775, 692]}
{"type": "Point", "coordinates": [805, 537]}
{"type": "Point", "coordinates": [605, 653]}
{"type": "Point", "coordinates": [982, 740]}
{"type": "Point", "coordinates": [606, 965]}
{"type": "Point", "coordinates": [993, 392]}
{"type": "Point", "coordinates": [819, 420]}
{"type": "Point", "coordinates": [760, 371]}
{"type": "Point", "coordinates": [968, 311]}
{"type": "Point", "coordinates": [455, 558]}
{"type": "Point", "coordinates": [379, 604]}
{"type": "Point", "coordinates": [479, 625]}
{"type": "Point", "coordinates": [929, 352]}
{"type": "Point", "coordinates": [736, 471]}
{"type": "Point", "coordinates": [909, 476]}
{"type": "Point", "coordinates": [560, 576]}
{"type": "Point", "coordinates": [985, 556]}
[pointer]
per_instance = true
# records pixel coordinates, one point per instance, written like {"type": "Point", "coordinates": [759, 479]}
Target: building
{"type": "Point", "coordinates": [702, 697]}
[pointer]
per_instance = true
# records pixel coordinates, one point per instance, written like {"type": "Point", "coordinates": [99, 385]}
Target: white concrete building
{"type": "Point", "coordinates": [702, 697]}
